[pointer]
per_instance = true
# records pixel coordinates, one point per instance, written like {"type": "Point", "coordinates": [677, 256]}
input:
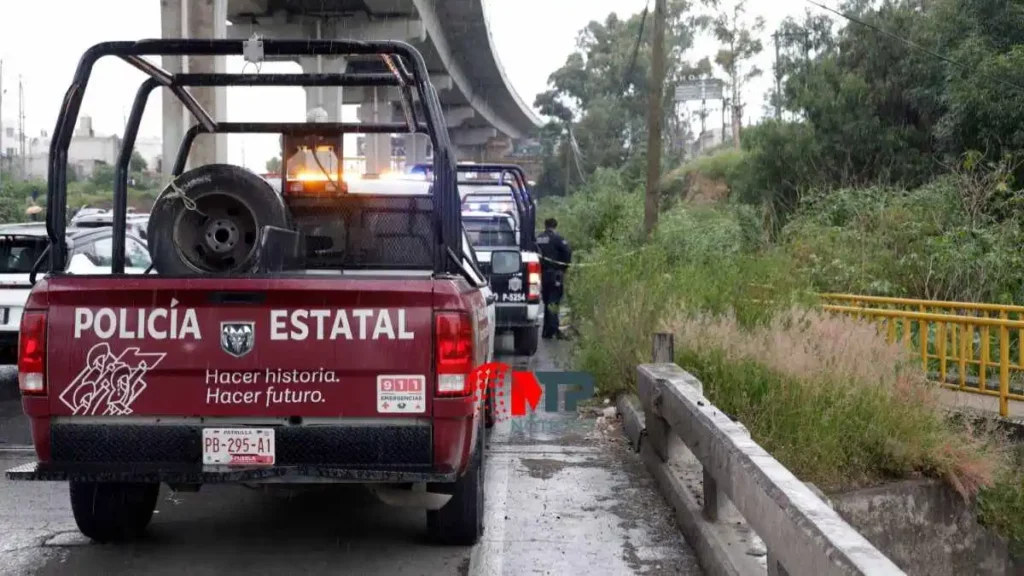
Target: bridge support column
{"type": "Point", "coordinates": [330, 98]}
{"type": "Point", "coordinates": [172, 25]}
{"type": "Point", "coordinates": [208, 19]}
{"type": "Point", "coordinates": [416, 148]}
{"type": "Point", "coordinates": [469, 153]}
{"type": "Point", "coordinates": [376, 109]}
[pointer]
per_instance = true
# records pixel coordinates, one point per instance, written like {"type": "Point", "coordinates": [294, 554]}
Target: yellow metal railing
{"type": "Point", "coordinates": [1004, 311]}
{"type": "Point", "coordinates": [964, 346]}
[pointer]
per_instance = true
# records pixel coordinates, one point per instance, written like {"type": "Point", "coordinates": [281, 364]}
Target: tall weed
{"type": "Point", "coordinates": [825, 395]}
{"type": "Point", "coordinates": [831, 399]}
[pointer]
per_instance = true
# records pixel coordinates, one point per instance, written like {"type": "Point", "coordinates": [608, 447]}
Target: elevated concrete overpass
{"type": "Point", "coordinates": [482, 109]}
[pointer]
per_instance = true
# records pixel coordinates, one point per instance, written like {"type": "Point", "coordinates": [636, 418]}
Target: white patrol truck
{"type": "Point", "coordinates": [518, 306]}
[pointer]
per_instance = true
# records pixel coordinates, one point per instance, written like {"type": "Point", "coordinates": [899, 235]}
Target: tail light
{"type": "Point", "coordinates": [454, 332]}
{"type": "Point", "coordinates": [32, 353]}
{"type": "Point", "coordinates": [533, 277]}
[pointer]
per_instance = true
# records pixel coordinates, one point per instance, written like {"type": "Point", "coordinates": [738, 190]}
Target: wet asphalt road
{"type": "Point", "coordinates": [564, 496]}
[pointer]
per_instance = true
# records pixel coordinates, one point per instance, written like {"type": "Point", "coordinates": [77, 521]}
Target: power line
{"type": "Point", "coordinates": [910, 43]}
{"type": "Point", "coordinates": [636, 49]}
{"type": "Point", "coordinates": [632, 65]}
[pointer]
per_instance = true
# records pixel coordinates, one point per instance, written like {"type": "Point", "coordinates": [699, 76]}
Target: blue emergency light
{"type": "Point", "coordinates": [423, 169]}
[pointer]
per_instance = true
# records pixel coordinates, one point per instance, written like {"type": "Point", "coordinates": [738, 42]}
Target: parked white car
{"type": "Point", "coordinates": [21, 245]}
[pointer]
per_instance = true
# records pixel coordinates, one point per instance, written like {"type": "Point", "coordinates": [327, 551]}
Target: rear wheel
{"type": "Point", "coordinates": [113, 511]}
{"type": "Point", "coordinates": [526, 340]}
{"type": "Point", "coordinates": [461, 521]}
{"type": "Point", "coordinates": [489, 419]}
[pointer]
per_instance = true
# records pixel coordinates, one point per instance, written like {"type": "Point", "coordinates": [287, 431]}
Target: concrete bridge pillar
{"type": "Point", "coordinates": [416, 148]}
{"type": "Point", "coordinates": [330, 98]}
{"type": "Point", "coordinates": [376, 108]}
{"type": "Point", "coordinates": [172, 25]}
{"type": "Point", "coordinates": [194, 19]}
{"type": "Point", "coordinates": [469, 153]}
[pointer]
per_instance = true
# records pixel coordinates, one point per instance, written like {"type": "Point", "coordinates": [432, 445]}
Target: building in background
{"type": "Point", "coordinates": [707, 142]}
{"type": "Point", "coordinates": [151, 149]}
{"type": "Point", "coordinates": [87, 151]}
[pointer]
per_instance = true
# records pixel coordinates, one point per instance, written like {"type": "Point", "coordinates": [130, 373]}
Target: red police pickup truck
{"type": "Point", "coordinates": [304, 335]}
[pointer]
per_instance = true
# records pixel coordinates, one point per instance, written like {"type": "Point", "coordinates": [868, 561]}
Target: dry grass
{"type": "Point", "coordinates": [833, 401]}
{"type": "Point", "coordinates": [702, 190]}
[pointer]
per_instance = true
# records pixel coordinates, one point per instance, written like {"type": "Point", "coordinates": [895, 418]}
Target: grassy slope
{"type": "Point", "coordinates": [825, 395]}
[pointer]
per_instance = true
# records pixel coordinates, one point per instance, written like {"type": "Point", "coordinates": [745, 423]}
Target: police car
{"type": "Point", "coordinates": [518, 307]}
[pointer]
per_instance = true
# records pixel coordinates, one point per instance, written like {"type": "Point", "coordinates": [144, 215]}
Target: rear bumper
{"type": "Point", "coordinates": [507, 316]}
{"type": "Point", "coordinates": [380, 447]}
{"type": "Point", "coordinates": [197, 474]}
{"type": "Point", "coordinates": [361, 450]}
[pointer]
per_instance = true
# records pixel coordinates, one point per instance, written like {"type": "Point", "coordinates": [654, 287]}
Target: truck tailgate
{"type": "Point", "coordinates": [344, 347]}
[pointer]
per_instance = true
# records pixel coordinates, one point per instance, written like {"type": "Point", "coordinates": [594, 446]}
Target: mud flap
{"type": "Point", "coordinates": [417, 497]}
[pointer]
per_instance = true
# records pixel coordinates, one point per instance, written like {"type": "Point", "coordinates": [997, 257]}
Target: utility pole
{"type": "Point", "coordinates": [1, 124]}
{"type": "Point", "coordinates": [725, 106]}
{"type": "Point", "coordinates": [21, 127]}
{"type": "Point", "coordinates": [778, 78]}
{"type": "Point", "coordinates": [654, 119]}
{"type": "Point", "coordinates": [776, 36]}
{"type": "Point", "coordinates": [568, 158]}
{"type": "Point", "coordinates": [737, 111]}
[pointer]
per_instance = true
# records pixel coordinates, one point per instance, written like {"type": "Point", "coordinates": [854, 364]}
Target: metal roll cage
{"type": "Point", "coordinates": [396, 54]}
{"type": "Point", "coordinates": [525, 204]}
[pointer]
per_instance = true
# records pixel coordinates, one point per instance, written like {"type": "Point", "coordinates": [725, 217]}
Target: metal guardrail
{"type": "Point", "coordinates": [1004, 311]}
{"type": "Point", "coordinates": [963, 346]}
{"type": "Point", "coordinates": [803, 534]}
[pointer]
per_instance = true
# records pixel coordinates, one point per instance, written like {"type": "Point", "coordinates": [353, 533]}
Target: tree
{"type": "Point", "coordinates": [871, 107]}
{"type": "Point", "coordinates": [740, 43]}
{"type": "Point", "coordinates": [137, 163]}
{"type": "Point", "coordinates": [602, 88]}
{"type": "Point", "coordinates": [274, 164]}
{"type": "Point", "coordinates": [103, 176]}
{"type": "Point", "coordinates": [655, 120]}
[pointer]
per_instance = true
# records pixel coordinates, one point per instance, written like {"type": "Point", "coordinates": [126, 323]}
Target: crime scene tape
{"type": "Point", "coordinates": [598, 263]}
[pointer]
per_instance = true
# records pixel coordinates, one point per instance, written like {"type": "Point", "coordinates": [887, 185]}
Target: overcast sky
{"type": "Point", "coordinates": [532, 38]}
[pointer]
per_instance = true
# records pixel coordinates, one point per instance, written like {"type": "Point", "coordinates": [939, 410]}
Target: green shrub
{"type": "Point", "coordinates": [916, 243]}
{"type": "Point", "coordinates": [606, 213]}
{"type": "Point", "coordinates": [825, 395]}
{"type": "Point", "coordinates": [1001, 507]}
{"type": "Point", "coordinates": [723, 165]}
{"type": "Point", "coordinates": [699, 259]}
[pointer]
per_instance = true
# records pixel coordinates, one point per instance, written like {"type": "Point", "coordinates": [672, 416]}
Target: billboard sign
{"type": "Point", "coordinates": [699, 88]}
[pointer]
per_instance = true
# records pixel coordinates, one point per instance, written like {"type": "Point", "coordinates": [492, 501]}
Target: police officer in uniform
{"type": "Point", "coordinates": [555, 259]}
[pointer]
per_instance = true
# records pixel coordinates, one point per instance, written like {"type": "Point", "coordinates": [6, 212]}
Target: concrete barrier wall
{"type": "Point", "coordinates": [927, 528]}
{"type": "Point", "coordinates": [685, 440]}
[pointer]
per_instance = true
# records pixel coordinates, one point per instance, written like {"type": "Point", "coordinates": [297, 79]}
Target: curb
{"type": "Point", "coordinates": [716, 545]}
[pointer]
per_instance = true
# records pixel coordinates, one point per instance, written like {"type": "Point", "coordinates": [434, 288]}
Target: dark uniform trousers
{"type": "Point", "coordinates": [551, 293]}
{"type": "Point", "coordinates": [556, 255]}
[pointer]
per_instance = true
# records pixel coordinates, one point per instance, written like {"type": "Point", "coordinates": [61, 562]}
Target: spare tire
{"type": "Point", "coordinates": [208, 221]}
